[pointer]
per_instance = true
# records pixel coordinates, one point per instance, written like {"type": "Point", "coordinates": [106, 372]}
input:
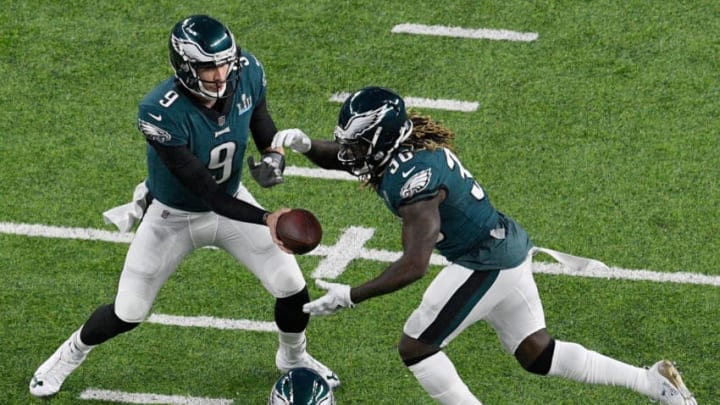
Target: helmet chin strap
{"type": "Point", "coordinates": [209, 95]}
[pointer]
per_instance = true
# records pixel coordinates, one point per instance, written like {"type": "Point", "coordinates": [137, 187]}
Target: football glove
{"type": "Point", "coordinates": [336, 298]}
{"type": "Point", "coordinates": [293, 138]}
{"type": "Point", "coordinates": [269, 171]}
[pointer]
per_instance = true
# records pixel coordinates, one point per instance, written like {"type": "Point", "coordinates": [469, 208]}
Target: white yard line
{"type": "Point", "coordinates": [436, 104]}
{"type": "Point", "coordinates": [317, 173]}
{"type": "Point", "coordinates": [335, 260]}
{"type": "Point", "coordinates": [147, 398]}
{"type": "Point", "coordinates": [459, 32]}
{"type": "Point", "coordinates": [337, 254]}
{"type": "Point", "coordinates": [212, 322]}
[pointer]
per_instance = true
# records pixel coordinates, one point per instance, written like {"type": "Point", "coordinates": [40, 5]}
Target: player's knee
{"type": "Point", "coordinates": [131, 309]}
{"type": "Point", "coordinates": [120, 325]}
{"type": "Point", "coordinates": [295, 301]}
{"type": "Point", "coordinates": [413, 351]}
{"type": "Point", "coordinates": [104, 324]}
{"type": "Point", "coordinates": [285, 279]}
{"type": "Point", "coordinates": [541, 365]}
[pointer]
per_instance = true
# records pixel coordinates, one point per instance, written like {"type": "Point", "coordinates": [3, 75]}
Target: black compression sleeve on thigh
{"type": "Point", "coordinates": [103, 325]}
{"type": "Point", "coordinates": [542, 364]}
{"type": "Point", "coordinates": [289, 315]}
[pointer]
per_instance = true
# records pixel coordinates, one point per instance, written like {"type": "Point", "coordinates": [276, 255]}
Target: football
{"type": "Point", "coordinates": [299, 230]}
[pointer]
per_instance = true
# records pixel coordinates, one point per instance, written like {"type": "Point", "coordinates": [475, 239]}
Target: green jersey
{"type": "Point", "coordinates": [170, 116]}
{"type": "Point", "coordinates": [472, 232]}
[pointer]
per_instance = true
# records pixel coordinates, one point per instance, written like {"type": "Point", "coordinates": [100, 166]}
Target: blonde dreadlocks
{"type": "Point", "coordinates": [428, 134]}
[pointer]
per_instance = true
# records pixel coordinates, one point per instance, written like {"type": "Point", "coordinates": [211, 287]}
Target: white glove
{"type": "Point", "coordinates": [337, 297]}
{"type": "Point", "coordinates": [293, 138]}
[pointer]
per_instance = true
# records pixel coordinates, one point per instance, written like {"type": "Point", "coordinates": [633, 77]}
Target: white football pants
{"type": "Point", "coordinates": [511, 304]}
{"type": "Point", "coordinates": [167, 235]}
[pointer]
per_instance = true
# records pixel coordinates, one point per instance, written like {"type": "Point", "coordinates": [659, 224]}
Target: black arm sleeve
{"type": "Point", "coordinates": [324, 154]}
{"type": "Point", "coordinates": [195, 176]}
{"type": "Point", "coordinates": [262, 126]}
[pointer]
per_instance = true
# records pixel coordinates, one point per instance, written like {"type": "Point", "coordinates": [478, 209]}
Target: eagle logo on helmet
{"type": "Point", "coordinates": [301, 386]}
{"type": "Point", "coordinates": [358, 124]}
{"type": "Point", "coordinates": [371, 125]}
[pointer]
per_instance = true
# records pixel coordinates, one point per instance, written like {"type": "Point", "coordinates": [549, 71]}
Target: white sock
{"type": "Point", "coordinates": [75, 337]}
{"type": "Point", "coordinates": [292, 345]}
{"type": "Point", "coordinates": [573, 361]}
{"type": "Point", "coordinates": [437, 375]}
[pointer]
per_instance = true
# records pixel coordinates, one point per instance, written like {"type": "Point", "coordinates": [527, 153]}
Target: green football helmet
{"type": "Point", "coordinates": [202, 41]}
{"type": "Point", "coordinates": [371, 125]}
{"type": "Point", "coordinates": [301, 386]}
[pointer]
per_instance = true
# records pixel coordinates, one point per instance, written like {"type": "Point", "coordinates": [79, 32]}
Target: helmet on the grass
{"type": "Point", "coordinates": [301, 386]}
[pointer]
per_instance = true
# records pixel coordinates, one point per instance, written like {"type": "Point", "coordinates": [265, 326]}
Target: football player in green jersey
{"type": "Point", "coordinates": [408, 161]}
{"type": "Point", "coordinates": [197, 125]}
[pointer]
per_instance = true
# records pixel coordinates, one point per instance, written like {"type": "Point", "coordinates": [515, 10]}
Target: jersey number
{"type": "Point", "coordinates": [168, 98]}
{"type": "Point", "coordinates": [221, 157]}
{"type": "Point", "coordinates": [404, 156]}
{"type": "Point", "coordinates": [453, 161]}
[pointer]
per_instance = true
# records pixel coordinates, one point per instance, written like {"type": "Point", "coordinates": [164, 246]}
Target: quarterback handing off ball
{"type": "Point", "coordinates": [299, 230]}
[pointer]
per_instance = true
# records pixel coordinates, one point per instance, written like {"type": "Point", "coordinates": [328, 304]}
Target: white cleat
{"type": "Point", "coordinates": [306, 360]}
{"type": "Point", "coordinates": [670, 387]}
{"type": "Point", "coordinates": [50, 376]}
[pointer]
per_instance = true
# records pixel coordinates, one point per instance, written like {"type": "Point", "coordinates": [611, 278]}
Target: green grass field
{"type": "Point", "coordinates": [600, 138]}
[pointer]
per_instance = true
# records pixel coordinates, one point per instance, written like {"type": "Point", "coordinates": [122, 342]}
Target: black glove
{"type": "Point", "coordinates": [269, 171]}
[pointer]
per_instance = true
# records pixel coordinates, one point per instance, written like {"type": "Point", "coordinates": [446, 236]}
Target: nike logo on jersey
{"type": "Point", "coordinates": [407, 172]}
{"type": "Point", "coordinates": [156, 117]}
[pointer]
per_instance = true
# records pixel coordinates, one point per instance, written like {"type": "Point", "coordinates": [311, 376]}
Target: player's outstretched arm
{"type": "Point", "coordinates": [321, 152]}
{"type": "Point", "coordinates": [421, 226]}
